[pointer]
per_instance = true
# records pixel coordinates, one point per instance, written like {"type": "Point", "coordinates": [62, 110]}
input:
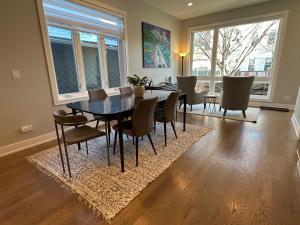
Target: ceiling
{"type": "Point", "coordinates": [180, 10]}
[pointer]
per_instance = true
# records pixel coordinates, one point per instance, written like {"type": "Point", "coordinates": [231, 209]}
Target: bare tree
{"type": "Point", "coordinates": [234, 45]}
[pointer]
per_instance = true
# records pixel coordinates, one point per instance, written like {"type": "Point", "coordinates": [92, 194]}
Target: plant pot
{"type": "Point", "coordinates": [138, 91]}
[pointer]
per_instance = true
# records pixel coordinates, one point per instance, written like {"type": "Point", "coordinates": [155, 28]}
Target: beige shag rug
{"type": "Point", "coordinates": [105, 189]}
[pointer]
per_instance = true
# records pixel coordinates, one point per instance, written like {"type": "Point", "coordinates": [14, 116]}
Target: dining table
{"type": "Point", "coordinates": [119, 107]}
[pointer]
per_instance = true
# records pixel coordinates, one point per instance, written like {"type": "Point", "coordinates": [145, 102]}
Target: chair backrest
{"type": "Point", "coordinates": [143, 116]}
{"type": "Point", "coordinates": [97, 94]}
{"type": "Point", "coordinates": [170, 106]}
{"type": "Point", "coordinates": [126, 90]}
{"type": "Point", "coordinates": [187, 84]}
{"type": "Point", "coordinates": [62, 118]}
{"type": "Point", "coordinates": [236, 92]}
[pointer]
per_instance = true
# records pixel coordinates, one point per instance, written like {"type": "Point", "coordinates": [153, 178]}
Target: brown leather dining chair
{"type": "Point", "coordinates": [77, 134]}
{"type": "Point", "coordinates": [141, 123]}
{"type": "Point", "coordinates": [166, 114]}
{"type": "Point", "coordinates": [100, 94]}
{"type": "Point", "coordinates": [126, 90]}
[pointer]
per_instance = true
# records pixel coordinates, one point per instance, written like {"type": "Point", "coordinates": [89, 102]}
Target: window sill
{"type": "Point", "coordinates": [62, 100]}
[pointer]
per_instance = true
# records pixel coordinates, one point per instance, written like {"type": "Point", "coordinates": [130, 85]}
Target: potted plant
{"type": "Point", "coordinates": [138, 84]}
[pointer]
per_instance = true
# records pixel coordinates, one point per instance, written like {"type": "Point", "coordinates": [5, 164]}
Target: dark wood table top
{"type": "Point", "coordinates": [115, 104]}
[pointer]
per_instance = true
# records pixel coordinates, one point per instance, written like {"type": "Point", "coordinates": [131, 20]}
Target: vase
{"type": "Point", "coordinates": [139, 91]}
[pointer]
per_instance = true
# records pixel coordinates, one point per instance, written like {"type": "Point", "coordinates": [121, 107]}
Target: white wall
{"type": "Point", "coordinates": [29, 100]}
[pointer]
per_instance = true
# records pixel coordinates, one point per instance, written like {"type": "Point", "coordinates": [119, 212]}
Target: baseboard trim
{"type": "Point", "coordinates": [296, 126]}
{"type": "Point", "coordinates": [31, 142]}
{"type": "Point", "coordinates": [25, 144]}
{"type": "Point", "coordinates": [271, 104]}
{"type": "Point", "coordinates": [298, 161]}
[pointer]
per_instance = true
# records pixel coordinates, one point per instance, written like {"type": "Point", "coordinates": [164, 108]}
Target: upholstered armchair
{"type": "Point", "coordinates": [236, 93]}
{"type": "Point", "coordinates": [188, 84]}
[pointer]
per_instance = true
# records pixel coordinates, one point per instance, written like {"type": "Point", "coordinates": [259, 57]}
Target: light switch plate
{"type": "Point", "coordinates": [16, 74]}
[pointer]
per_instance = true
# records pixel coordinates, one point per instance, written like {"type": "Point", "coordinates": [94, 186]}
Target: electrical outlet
{"type": "Point", "coordinates": [16, 74]}
{"type": "Point", "coordinates": [26, 128]}
{"type": "Point", "coordinates": [286, 97]}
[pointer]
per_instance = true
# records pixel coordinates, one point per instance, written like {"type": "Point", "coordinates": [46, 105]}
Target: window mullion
{"type": "Point", "coordinates": [122, 63]}
{"type": "Point", "coordinates": [103, 60]}
{"type": "Point", "coordinates": [79, 60]}
{"type": "Point", "coordinates": [190, 70]}
{"type": "Point", "coordinates": [214, 60]}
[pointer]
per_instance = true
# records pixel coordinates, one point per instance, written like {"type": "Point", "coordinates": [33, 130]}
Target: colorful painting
{"type": "Point", "coordinates": [156, 46]}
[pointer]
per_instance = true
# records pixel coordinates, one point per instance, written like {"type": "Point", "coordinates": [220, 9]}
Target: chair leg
{"type": "Point", "coordinates": [173, 126]}
{"type": "Point", "coordinates": [220, 108]}
{"type": "Point", "coordinates": [150, 139]}
{"type": "Point", "coordinates": [154, 127]}
{"type": "Point", "coordinates": [67, 157]}
{"type": "Point", "coordinates": [132, 140]}
{"type": "Point", "coordinates": [225, 111]}
{"type": "Point", "coordinates": [107, 150]}
{"type": "Point", "coordinates": [87, 148]}
{"type": "Point", "coordinates": [62, 159]}
{"type": "Point", "coordinates": [97, 124]}
{"type": "Point", "coordinates": [165, 131]}
{"type": "Point", "coordinates": [115, 142]}
{"type": "Point", "coordinates": [244, 113]}
{"type": "Point", "coordinates": [59, 146]}
{"type": "Point", "coordinates": [191, 107]}
{"type": "Point", "coordinates": [109, 131]}
{"type": "Point", "coordinates": [136, 151]}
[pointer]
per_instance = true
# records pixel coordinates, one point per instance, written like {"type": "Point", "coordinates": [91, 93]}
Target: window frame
{"type": "Point", "coordinates": [60, 99]}
{"type": "Point", "coordinates": [282, 15]}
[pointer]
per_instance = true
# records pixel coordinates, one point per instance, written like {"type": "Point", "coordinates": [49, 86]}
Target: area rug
{"type": "Point", "coordinates": [251, 113]}
{"type": "Point", "coordinates": [104, 188]}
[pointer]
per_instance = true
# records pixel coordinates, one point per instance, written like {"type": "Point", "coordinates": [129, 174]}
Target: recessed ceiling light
{"type": "Point", "coordinates": [190, 4]}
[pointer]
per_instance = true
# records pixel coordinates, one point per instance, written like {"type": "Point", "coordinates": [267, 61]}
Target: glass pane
{"type": "Point", "coordinates": [248, 49]}
{"type": "Point", "coordinates": [90, 54]}
{"type": "Point", "coordinates": [64, 59]}
{"type": "Point", "coordinates": [202, 86]}
{"type": "Point", "coordinates": [202, 53]}
{"type": "Point", "coordinates": [260, 88]}
{"type": "Point", "coordinates": [218, 87]}
{"type": "Point", "coordinates": [113, 64]}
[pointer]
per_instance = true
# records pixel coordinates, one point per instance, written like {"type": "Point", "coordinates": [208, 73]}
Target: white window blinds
{"type": "Point", "coordinates": [81, 17]}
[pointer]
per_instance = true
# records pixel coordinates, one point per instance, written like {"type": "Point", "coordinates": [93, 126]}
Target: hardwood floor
{"type": "Point", "coordinates": [240, 173]}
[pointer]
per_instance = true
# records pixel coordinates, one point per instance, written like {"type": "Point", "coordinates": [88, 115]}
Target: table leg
{"type": "Point", "coordinates": [120, 119]}
{"type": "Point", "coordinates": [184, 111]}
{"type": "Point", "coordinates": [74, 112]}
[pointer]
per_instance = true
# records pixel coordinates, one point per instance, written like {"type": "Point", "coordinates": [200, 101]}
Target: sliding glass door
{"type": "Point", "coordinates": [247, 49]}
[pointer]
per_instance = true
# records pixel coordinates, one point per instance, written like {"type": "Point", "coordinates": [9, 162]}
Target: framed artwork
{"type": "Point", "coordinates": [156, 46]}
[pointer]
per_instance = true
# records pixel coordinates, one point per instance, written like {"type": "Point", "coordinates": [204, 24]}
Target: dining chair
{"type": "Point", "coordinates": [77, 134]}
{"type": "Point", "coordinates": [126, 90]}
{"type": "Point", "coordinates": [167, 113]}
{"type": "Point", "coordinates": [141, 123]}
{"type": "Point", "coordinates": [100, 94]}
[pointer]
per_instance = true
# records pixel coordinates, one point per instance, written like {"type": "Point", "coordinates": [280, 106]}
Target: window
{"type": "Point", "coordinates": [246, 49]}
{"type": "Point", "coordinates": [85, 48]}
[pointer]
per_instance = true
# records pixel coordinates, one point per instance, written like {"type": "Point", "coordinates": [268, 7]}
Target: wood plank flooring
{"type": "Point", "coordinates": [239, 174]}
